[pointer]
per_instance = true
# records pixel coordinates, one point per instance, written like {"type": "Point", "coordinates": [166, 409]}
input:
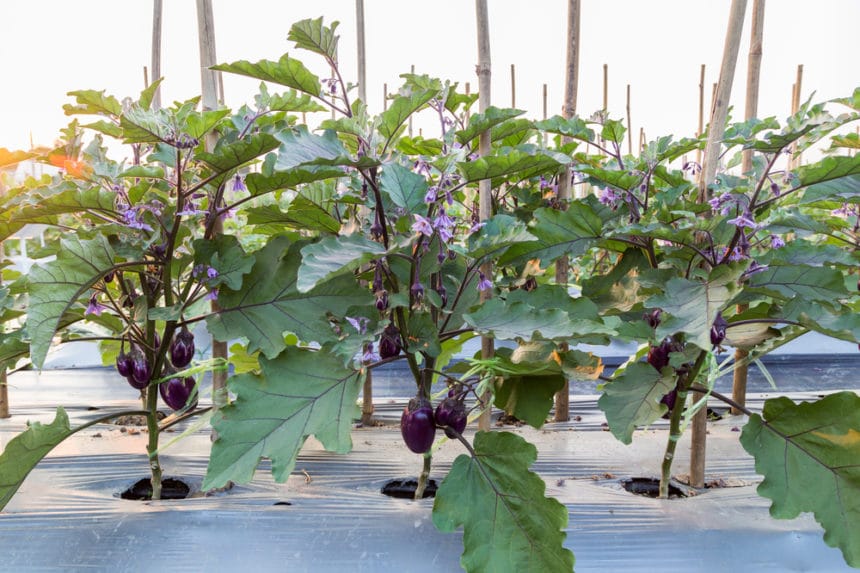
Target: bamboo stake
{"type": "Point", "coordinates": [741, 369]}
{"type": "Point", "coordinates": [568, 109]}
{"type": "Point", "coordinates": [629, 128]}
{"type": "Point", "coordinates": [485, 197]}
{"type": "Point", "coordinates": [795, 156]}
{"type": "Point", "coordinates": [157, 11]}
{"type": "Point", "coordinates": [384, 97]}
{"type": "Point", "coordinates": [544, 111]}
{"type": "Point", "coordinates": [412, 71]}
{"type": "Point", "coordinates": [364, 211]}
{"type": "Point", "coordinates": [701, 112]}
{"type": "Point", "coordinates": [513, 86]}
{"type": "Point", "coordinates": [209, 83]}
{"type": "Point", "coordinates": [716, 129]}
{"type": "Point", "coordinates": [605, 88]}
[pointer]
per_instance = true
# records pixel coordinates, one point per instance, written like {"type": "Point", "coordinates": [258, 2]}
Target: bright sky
{"type": "Point", "coordinates": [49, 47]}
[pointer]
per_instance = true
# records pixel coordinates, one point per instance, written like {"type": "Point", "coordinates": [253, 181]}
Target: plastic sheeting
{"type": "Point", "coordinates": [68, 515]}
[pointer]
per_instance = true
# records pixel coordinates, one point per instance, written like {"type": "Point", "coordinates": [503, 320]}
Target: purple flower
{"type": "Point", "coordinates": [484, 283]}
{"type": "Point", "coordinates": [776, 242]}
{"type": "Point", "coordinates": [422, 225]}
{"type": "Point", "coordinates": [692, 168]}
{"type": "Point", "coordinates": [421, 167]}
{"type": "Point", "coordinates": [476, 226]}
{"type": "Point", "coordinates": [239, 183]}
{"type": "Point", "coordinates": [94, 307]}
{"type": "Point", "coordinates": [737, 254]}
{"type": "Point", "coordinates": [131, 219]}
{"type": "Point", "coordinates": [190, 210]}
{"type": "Point", "coordinates": [442, 220]}
{"type": "Point", "coordinates": [212, 294]}
{"type": "Point", "coordinates": [368, 356]}
{"type": "Point", "coordinates": [359, 324]}
{"type": "Point", "coordinates": [430, 197]}
{"type": "Point", "coordinates": [211, 273]}
{"type": "Point", "coordinates": [743, 220]}
{"type": "Point", "coordinates": [608, 196]}
{"type": "Point", "coordinates": [417, 291]}
{"type": "Point", "coordinates": [718, 329]}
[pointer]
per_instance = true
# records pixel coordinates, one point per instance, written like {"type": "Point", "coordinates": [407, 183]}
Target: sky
{"type": "Point", "coordinates": [50, 47]}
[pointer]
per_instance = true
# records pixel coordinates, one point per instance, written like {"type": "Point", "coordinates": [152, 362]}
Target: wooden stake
{"type": "Point", "coordinates": [513, 86]}
{"type": "Point", "coordinates": [794, 163]}
{"type": "Point", "coordinates": [562, 265]}
{"type": "Point", "coordinates": [384, 97]}
{"type": "Point", "coordinates": [716, 129]}
{"type": "Point", "coordinates": [544, 111]}
{"type": "Point", "coordinates": [412, 71]}
{"type": "Point", "coordinates": [485, 209]}
{"type": "Point", "coordinates": [629, 128]}
{"type": "Point", "coordinates": [605, 88]}
{"type": "Point", "coordinates": [4, 395]}
{"type": "Point", "coordinates": [741, 369]}
{"type": "Point", "coordinates": [701, 129]}
{"type": "Point", "coordinates": [209, 82]}
{"type": "Point", "coordinates": [157, 11]}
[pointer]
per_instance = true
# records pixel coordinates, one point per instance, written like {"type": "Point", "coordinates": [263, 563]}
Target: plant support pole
{"type": "Point", "coordinates": [741, 368]}
{"type": "Point", "coordinates": [157, 12]}
{"type": "Point", "coordinates": [562, 265]}
{"type": "Point", "coordinates": [209, 82]}
{"type": "Point", "coordinates": [716, 129]}
{"type": "Point", "coordinates": [485, 197]}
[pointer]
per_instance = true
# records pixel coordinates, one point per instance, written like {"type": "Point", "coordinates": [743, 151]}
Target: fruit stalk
{"type": "Point", "coordinates": [685, 380]}
{"type": "Point", "coordinates": [424, 476]}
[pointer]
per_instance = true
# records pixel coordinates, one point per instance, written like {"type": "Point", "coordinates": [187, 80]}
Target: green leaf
{"type": "Point", "coordinates": [521, 321]}
{"type": "Point", "coordinates": [287, 72]}
{"type": "Point", "coordinates": [302, 214]}
{"type": "Point", "coordinates": [821, 284]}
{"type": "Point", "coordinates": [148, 93]}
{"type": "Point", "coordinates": [613, 130]}
{"type": "Point", "coordinates": [27, 449]}
{"type": "Point", "coordinates": [299, 147]}
{"type": "Point", "coordinates": [400, 109]}
{"type": "Point", "coordinates": [406, 189]}
{"type": "Point", "coordinates": [91, 102]}
{"type": "Point", "coordinates": [298, 394]}
{"type": "Point", "coordinates": [841, 189]}
{"type": "Point", "coordinates": [574, 127]}
{"type": "Point", "coordinates": [144, 172]}
{"type": "Point", "coordinates": [268, 304]}
{"type": "Point", "coordinates": [809, 455]}
{"type": "Point", "coordinates": [313, 36]}
{"type": "Point", "coordinates": [292, 101]}
{"type": "Point", "coordinates": [481, 122]}
{"type": "Point", "coordinates": [199, 124]}
{"type": "Point", "coordinates": [333, 256]}
{"type": "Point", "coordinates": [56, 286]}
{"type": "Point", "coordinates": [558, 233]}
{"type": "Point", "coordinates": [508, 524]}
{"type": "Point", "coordinates": [528, 397]}
{"type": "Point", "coordinates": [225, 254]}
{"type": "Point", "coordinates": [523, 161]}
{"type": "Point", "coordinates": [633, 399]}
{"type": "Point", "coordinates": [259, 184]}
{"type": "Point", "coordinates": [693, 305]}
{"type": "Point", "coordinates": [496, 236]}
{"type": "Point", "coordinates": [144, 126]}
{"type": "Point", "coordinates": [828, 169]}
{"type": "Point", "coordinates": [232, 155]}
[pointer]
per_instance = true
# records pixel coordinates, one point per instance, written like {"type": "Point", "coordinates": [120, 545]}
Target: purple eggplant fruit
{"type": "Point", "coordinates": [176, 391]}
{"type": "Point", "coordinates": [417, 425]}
{"type": "Point", "coordinates": [451, 413]}
{"type": "Point", "coordinates": [389, 342]}
{"type": "Point", "coordinates": [141, 371]}
{"type": "Point", "coordinates": [124, 363]}
{"type": "Point", "coordinates": [182, 348]}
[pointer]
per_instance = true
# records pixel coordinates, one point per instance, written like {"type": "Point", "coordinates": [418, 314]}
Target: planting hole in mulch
{"type": "Point", "coordinates": [405, 488]}
{"type": "Point", "coordinates": [170, 489]}
{"type": "Point", "coordinates": [282, 503]}
{"type": "Point", "coordinates": [650, 487]}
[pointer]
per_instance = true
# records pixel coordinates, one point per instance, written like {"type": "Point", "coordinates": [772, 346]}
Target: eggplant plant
{"type": "Point", "coordinates": [354, 245]}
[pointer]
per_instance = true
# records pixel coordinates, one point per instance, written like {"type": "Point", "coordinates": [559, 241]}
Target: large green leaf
{"type": "Point", "coordinates": [258, 183]}
{"type": "Point", "coordinates": [400, 109]}
{"type": "Point", "coordinates": [41, 203]}
{"type": "Point", "coordinates": [332, 256]}
{"type": "Point", "coordinates": [528, 397]}
{"type": "Point", "coordinates": [310, 34]}
{"type": "Point", "coordinates": [302, 214]}
{"type": "Point", "coordinates": [269, 304]}
{"type": "Point", "coordinates": [523, 161]}
{"type": "Point", "coordinates": [558, 233]}
{"type": "Point", "coordinates": [145, 126]}
{"type": "Point", "coordinates": [497, 234]}
{"type": "Point", "coordinates": [809, 455]}
{"type": "Point", "coordinates": [298, 394]}
{"type": "Point", "coordinates": [287, 72]}
{"type": "Point", "coordinates": [225, 254]}
{"type": "Point", "coordinates": [508, 524]}
{"type": "Point", "coordinates": [693, 305]}
{"type": "Point", "coordinates": [300, 147]}
{"type": "Point", "coordinates": [27, 449]}
{"type": "Point", "coordinates": [521, 321]}
{"type": "Point", "coordinates": [821, 284]}
{"type": "Point", "coordinates": [199, 124]}
{"type": "Point", "coordinates": [828, 169]}
{"type": "Point", "coordinates": [91, 102]}
{"type": "Point", "coordinates": [56, 285]}
{"type": "Point", "coordinates": [406, 189]}
{"type": "Point", "coordinates": [483, 121]}
{"type": "Point", "coordinates": [842, 189]}
{"type": "Point", "coordinates": [633, 399]}
{"type": "Point", "coordinates": [232, 155]}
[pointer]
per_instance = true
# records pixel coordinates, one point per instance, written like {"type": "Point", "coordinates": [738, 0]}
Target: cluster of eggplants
{"type": "Point", "coordinates": [134, 366]}
{"type": "Point", "coordinates": [176, 392]}
{"type": "Point", "coordinates": [418, 422]}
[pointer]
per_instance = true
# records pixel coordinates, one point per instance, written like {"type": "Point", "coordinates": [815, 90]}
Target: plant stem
{"type": "Point", "coordinates": [152, 446]}
{"type": "Point", "coordinates": [685, 381]}
{"type": "Point", "coordinates": [425, 474]}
